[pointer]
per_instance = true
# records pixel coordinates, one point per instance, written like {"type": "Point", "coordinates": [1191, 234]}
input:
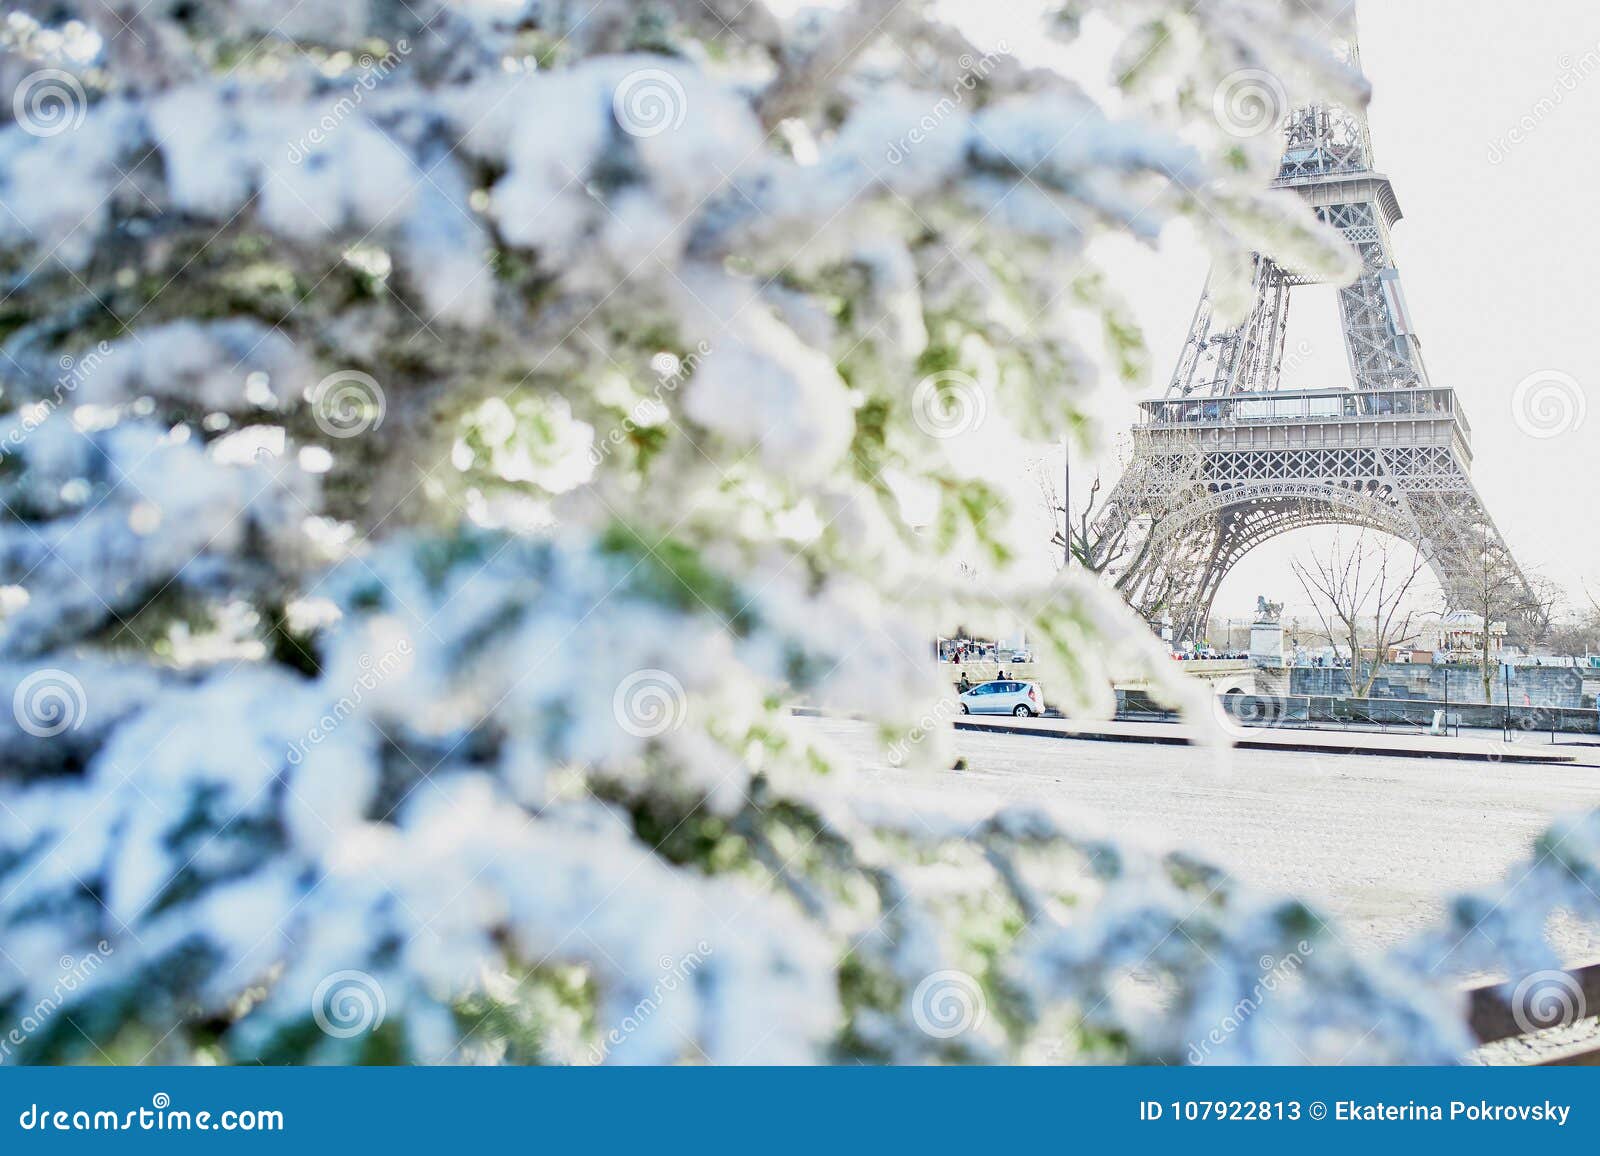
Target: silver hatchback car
{"type": "Point", "coordinates": [1003, 697]}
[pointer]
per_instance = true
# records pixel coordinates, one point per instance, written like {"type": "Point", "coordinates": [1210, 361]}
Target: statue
{"type": "Point", "coordinates": [1266, 635]}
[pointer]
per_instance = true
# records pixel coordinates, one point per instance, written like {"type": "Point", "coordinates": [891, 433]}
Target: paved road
{"type": "Point", "coordinates": [1375, 840]}
{"type": "Point", "coordinates": [1477, 746]}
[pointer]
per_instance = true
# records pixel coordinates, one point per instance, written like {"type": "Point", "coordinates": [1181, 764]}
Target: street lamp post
{"type": "Point", "coordinates": [1505, 670]}
{"type": "Point", "coordinates": [1066, 502]}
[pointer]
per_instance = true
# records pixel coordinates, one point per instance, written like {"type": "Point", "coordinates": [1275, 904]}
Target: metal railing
{"type": "Point", "coordinates": [1280, 406]}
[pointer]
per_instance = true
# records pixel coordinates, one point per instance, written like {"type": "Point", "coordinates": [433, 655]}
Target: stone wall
{"type": "Point", "coordinates": [1260, 710]}
{"type": "Point", "coordinates": [1532, 686]}
{"type": "Point", "coordinates": [987, 671]}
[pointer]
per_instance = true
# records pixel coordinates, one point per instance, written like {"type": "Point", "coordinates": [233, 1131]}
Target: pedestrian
{"type": "Point", "coordinates": [966, 683]}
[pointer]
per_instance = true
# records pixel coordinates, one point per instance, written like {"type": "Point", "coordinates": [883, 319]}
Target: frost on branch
{"type": "Point", "coordinates": [442, 441]}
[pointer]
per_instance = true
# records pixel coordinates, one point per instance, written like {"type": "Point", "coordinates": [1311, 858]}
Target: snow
{"type": "Point", "coordinates": [484, 704]}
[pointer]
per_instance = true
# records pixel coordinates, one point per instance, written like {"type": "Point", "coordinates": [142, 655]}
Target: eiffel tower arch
{"type": "Point", "coordinates": [1229, 459]}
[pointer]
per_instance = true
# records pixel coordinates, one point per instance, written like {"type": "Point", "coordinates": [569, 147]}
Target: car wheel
{"type": "Point", "coordinates": [964, 709]}
{"type": "Point", "coordinates": [1022, 712]}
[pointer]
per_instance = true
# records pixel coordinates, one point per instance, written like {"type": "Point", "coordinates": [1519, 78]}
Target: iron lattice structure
{"type": "Point", "coordinates": [1228, 459]}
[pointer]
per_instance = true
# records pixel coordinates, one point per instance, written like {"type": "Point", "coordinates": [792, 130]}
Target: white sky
{"type": "Point", "coordinates": [1498, 260]}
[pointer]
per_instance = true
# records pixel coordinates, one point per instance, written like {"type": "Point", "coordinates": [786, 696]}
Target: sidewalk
{"type": "Point", "coordinates": [1366, 742]}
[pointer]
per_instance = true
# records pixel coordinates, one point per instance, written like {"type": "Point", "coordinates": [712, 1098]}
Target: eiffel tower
{"type": "Point", "coordinates": [1228, 459]}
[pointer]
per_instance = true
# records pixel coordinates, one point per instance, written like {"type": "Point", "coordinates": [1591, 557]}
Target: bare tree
{"type": "Point", "coordinates": [1575, 632]}
{"type": "Point", "coordinates": [1498, 592]}
{"type": "Point", "coordinates": [1113, 532]}
{"type": "Point", "coordinates": [1362, 588]}
{"type": "Point", "coordinates": [1095, 545]}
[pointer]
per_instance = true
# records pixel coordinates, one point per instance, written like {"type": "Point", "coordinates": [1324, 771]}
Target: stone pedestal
{"type": "Point", "coordinates": [1266, 644]}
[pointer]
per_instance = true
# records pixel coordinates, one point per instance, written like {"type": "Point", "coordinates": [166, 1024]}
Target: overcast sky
{"type": "Point", "coordinates": [1497, 252]}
